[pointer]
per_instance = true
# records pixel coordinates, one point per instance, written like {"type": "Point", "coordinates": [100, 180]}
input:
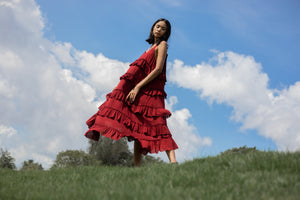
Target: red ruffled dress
{"type": "Point", "coordinates": [143, 120]}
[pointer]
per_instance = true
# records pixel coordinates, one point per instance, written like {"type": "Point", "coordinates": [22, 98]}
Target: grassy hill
{"type": "Point", "coordinates": [231, 175]}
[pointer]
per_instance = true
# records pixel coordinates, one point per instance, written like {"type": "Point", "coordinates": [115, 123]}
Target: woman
{"type": "Point", "coordinates": [135, 108]}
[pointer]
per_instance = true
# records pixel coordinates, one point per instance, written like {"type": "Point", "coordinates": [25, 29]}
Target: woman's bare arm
{"type": "Point", "coordinates": [161, 57]}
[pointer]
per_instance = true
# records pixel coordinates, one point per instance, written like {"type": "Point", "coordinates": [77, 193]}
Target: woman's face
{"type": "Point", "coordinates": [159, 29]}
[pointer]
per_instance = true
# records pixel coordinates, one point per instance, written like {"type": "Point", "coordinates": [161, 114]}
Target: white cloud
{"type": "Point", "coordinates": [10, 60]}
{"type": "Point", "coordinates": [25, 19]}
{"type": "Point", "coordinates": [102, 73]}
{"type": "Point", "coordinates": [63, 53]}
{"type": "Point", "coordinates": [47, 90]}
{"type": "Point", "coordinates": [238, 81]}
{"type": "Point", "coordinates": [9, 131]}
{"type": "Point", "coordinates": [6, 132]}
{"type": "Point", "coordinates": [98, 71]}
{"type": "Point", "coordinates": [6, 90]}
{"type": "Point", "coordinates": [184, 133]}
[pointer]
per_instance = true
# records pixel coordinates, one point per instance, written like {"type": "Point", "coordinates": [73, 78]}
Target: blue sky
{"type": "Point", "coordinates": [267, 30]}
{"type": "Point", "coordinates": [257, 44]}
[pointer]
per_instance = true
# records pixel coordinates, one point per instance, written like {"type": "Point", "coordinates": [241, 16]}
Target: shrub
{"type": "Point", "coordinates": [30, 165]}
{"type": "Point", "coordinates": [74, 158]}
{"type": "Point", "coordinates": [6, 160]}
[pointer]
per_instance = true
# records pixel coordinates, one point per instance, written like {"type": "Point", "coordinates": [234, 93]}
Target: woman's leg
{"type": "Point", "coordinates": [137, 156]}
{"type": "Point", "coordinates": [171, 156]}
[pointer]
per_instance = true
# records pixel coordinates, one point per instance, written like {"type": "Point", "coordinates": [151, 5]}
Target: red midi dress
{"type": "Point", "coordinates": [143, 120]}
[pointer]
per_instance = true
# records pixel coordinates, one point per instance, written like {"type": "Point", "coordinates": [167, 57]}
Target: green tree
{"type": "Point", "coordinates": [111, 152]}
{"type": "Point", "coordinates": [6, 160]}
{"type": "Point", "coordinates": [148, 159]}
{"type": "Point", "coordinates": [74, 158]}
{"type": "Point", "coordinates": [117, 153]}
{"type": "Point", "coordinates": [31, 165]}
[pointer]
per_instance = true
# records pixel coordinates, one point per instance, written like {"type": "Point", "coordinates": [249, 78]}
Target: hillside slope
{"type": "Point", "coordinates": [231, 175]}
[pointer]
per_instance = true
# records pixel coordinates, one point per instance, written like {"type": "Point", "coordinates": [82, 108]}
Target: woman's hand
{"type": "Point", "coordinates": [132, 94]}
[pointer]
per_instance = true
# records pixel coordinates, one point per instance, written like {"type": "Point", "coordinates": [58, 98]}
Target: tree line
{"type": "Point", "coordinates": [104, 152]}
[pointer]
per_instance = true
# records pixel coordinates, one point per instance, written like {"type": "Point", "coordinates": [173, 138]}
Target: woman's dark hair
{"type": "Point", "coordinates": [165, 37]}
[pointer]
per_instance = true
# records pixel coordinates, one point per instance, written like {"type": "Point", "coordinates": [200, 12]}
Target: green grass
{"type": "Point", "coordinates": [255, 175]}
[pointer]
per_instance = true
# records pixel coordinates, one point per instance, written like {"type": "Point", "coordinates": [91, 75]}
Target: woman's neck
{"type": "Point", "coordinates": [155, 40]}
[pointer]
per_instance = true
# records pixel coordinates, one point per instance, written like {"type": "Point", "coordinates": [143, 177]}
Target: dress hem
{"type": "Point", "coordinates": [147, 146]}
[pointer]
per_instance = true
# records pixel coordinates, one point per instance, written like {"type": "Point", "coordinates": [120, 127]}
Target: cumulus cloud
{"type": "Point", "coordinates": [6, 132]}
{"type": "Point", "coordinates": [96, 70]}
{"type": "Point", "coordinates": [47, 90]}
{"type": "Point", "coordinates": [238, 81]}
{"type": "Point", "coordinates": [102, 73]}
{"type": "Point", "coordinates": [9, 131]}
{"type": "Point", "coordinates": [184, 133]}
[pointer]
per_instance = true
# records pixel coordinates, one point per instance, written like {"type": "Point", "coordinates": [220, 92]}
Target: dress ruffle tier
{"type": "Point", "coordinates": [144, 120]}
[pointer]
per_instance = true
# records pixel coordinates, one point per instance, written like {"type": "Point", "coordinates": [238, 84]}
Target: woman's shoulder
{"type": "Point", "coordinates": [163, 45]}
